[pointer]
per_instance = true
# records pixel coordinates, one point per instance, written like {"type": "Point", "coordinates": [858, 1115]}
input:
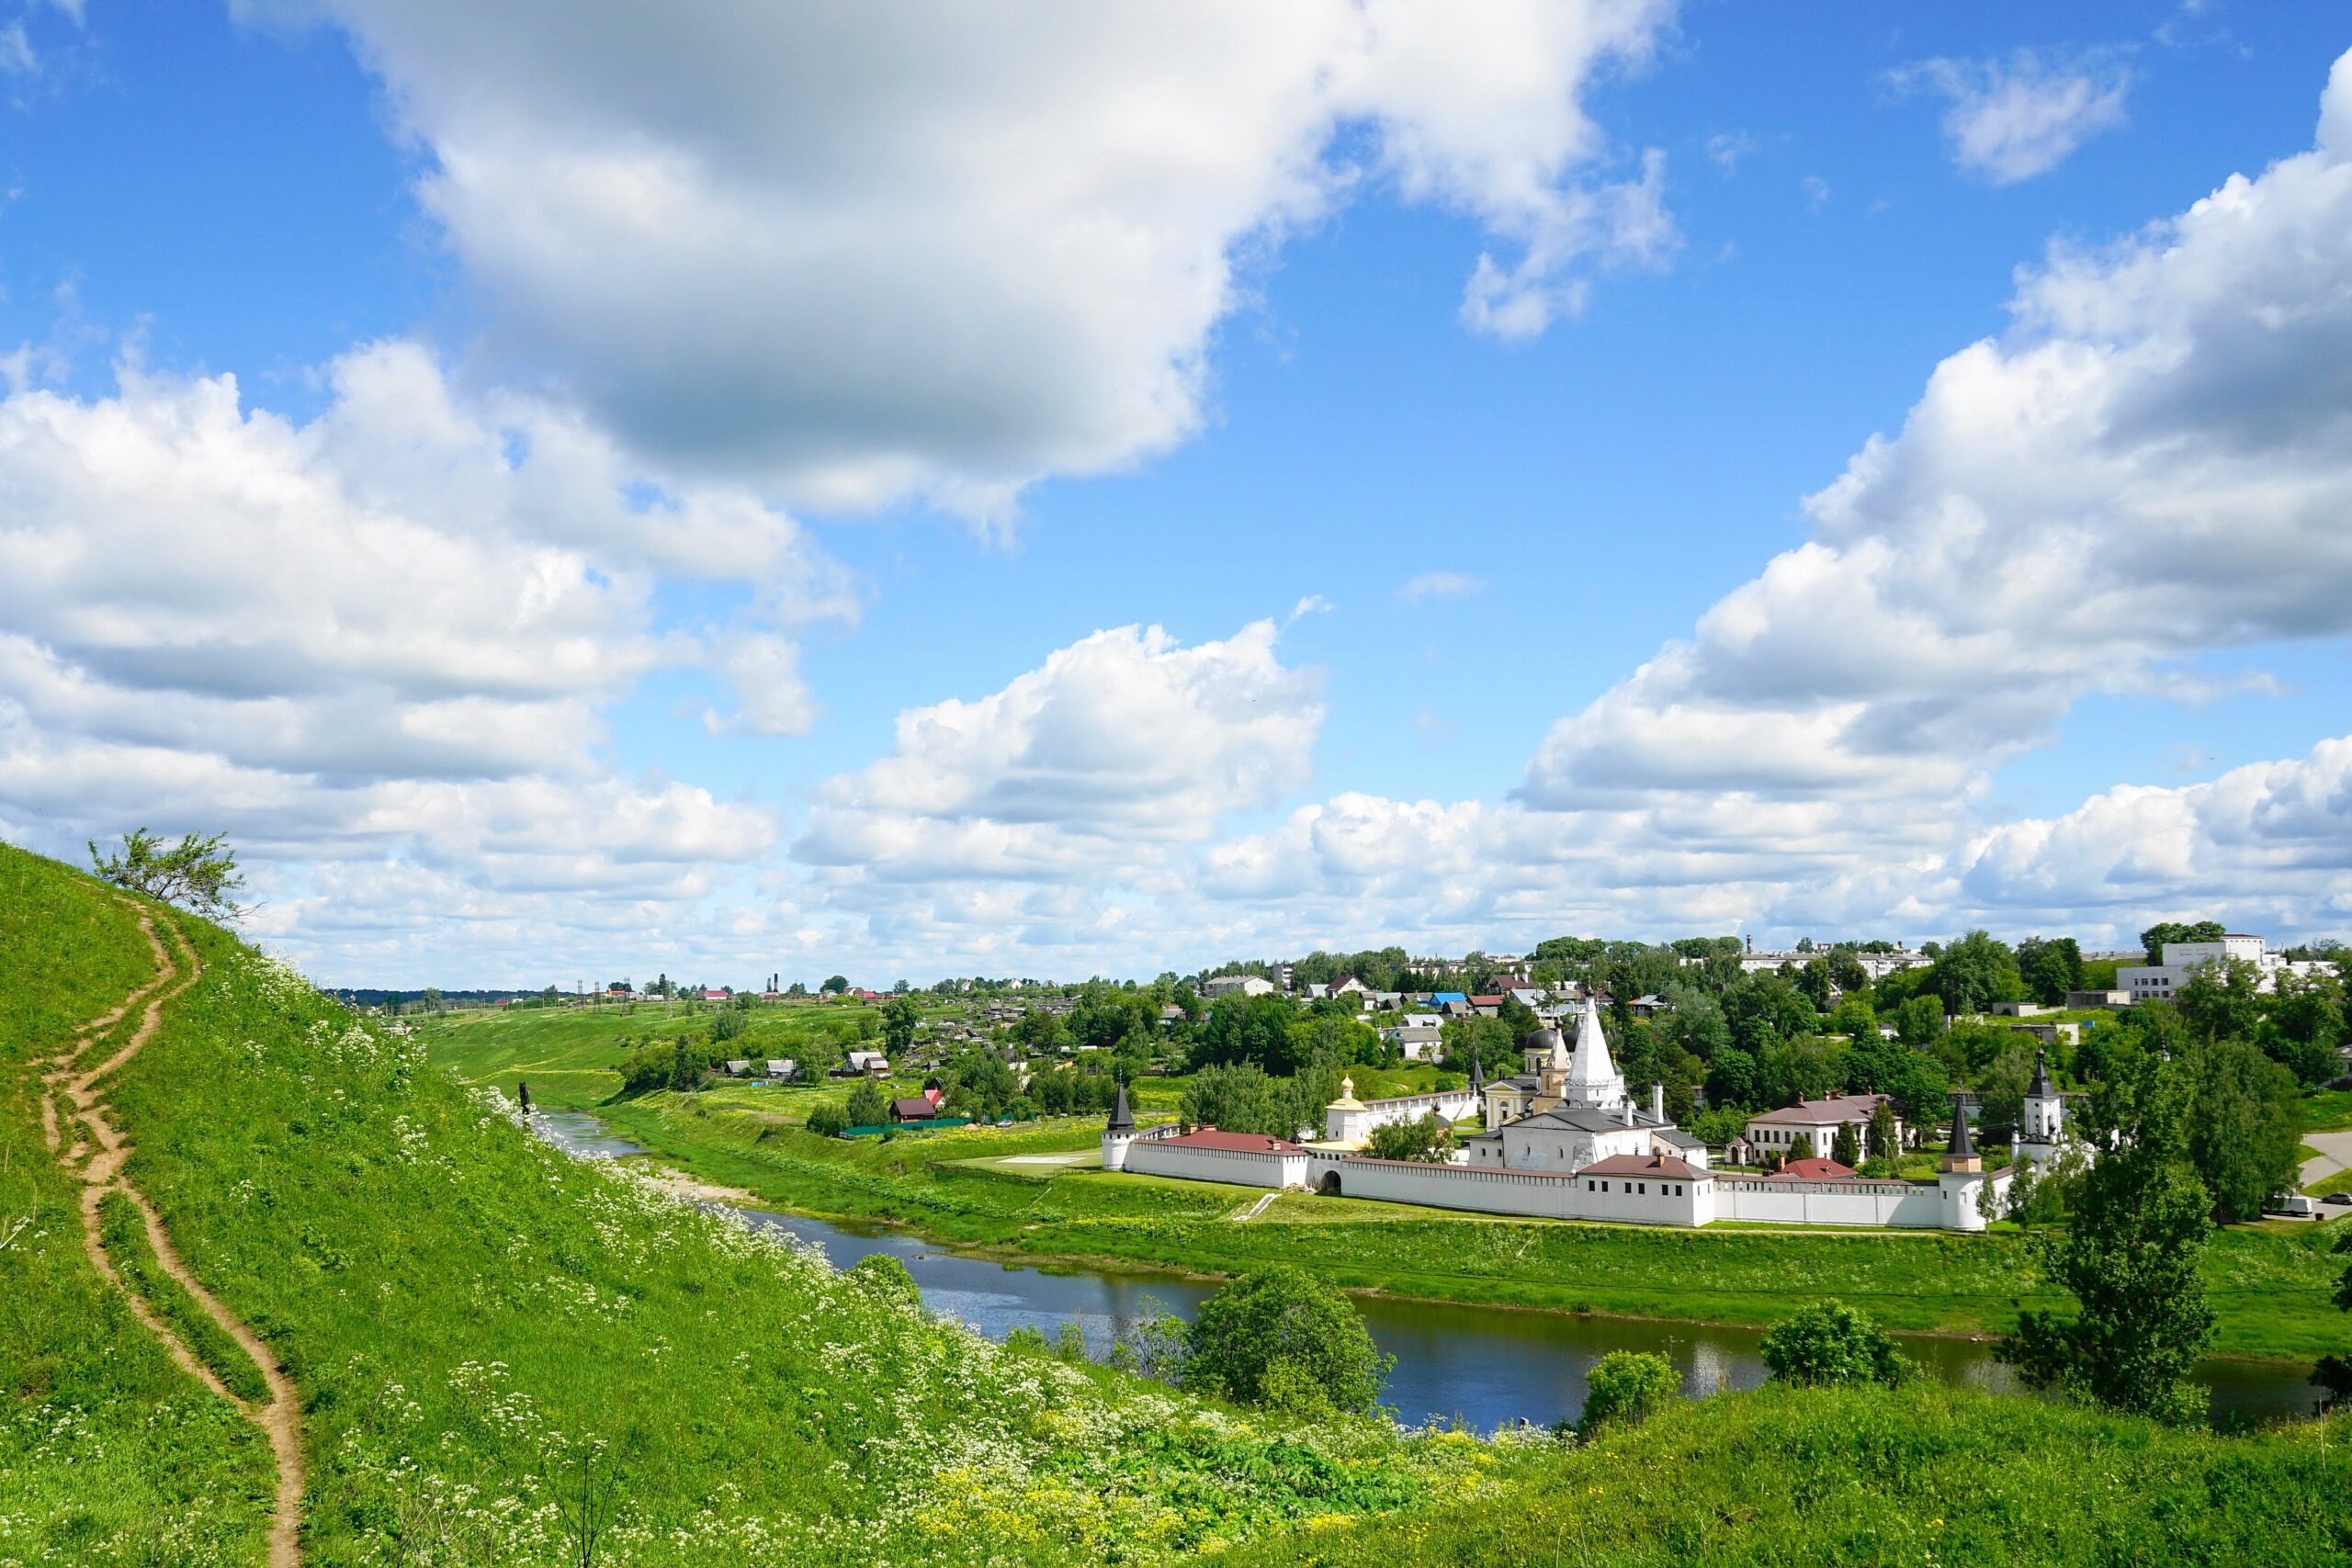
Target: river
{"type": "Point", "coordinates": [1485, 1366]}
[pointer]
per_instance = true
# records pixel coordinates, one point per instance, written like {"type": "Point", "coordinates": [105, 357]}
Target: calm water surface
{"type": "Point", "coordinates": [1486, 1366]}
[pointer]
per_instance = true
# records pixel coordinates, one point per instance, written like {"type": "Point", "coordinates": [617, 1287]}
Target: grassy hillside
{"type": "Point", "coordinates": [1920, 1476]}
{"type": "Point", "coordinates": [2269, 1285]}
{"type": "Point", "coordinates": [457, 1304]}
{"type": "Point", "coordinates": [108, 1452]}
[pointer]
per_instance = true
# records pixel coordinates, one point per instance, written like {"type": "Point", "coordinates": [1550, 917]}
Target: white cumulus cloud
{"type": "Point", "coordinates": [862, 250]}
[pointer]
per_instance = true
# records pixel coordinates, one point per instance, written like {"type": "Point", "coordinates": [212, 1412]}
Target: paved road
{"type": "Point", "coordinates": [2334, 1154]}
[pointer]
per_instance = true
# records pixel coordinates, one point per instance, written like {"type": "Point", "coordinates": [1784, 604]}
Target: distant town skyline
{"type": "Point", "coordinates": [1102, 491]}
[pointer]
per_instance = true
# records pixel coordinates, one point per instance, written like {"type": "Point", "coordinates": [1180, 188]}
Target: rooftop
{"type": "Point", "coordinates": [1233, 1143]}
{"type": "Point", "coordinates": [1665, 1166]}
{"type": "Point", "coordinates": [1814, 1170]}
{"type": "Point", "coordinates": [1813, 1112]}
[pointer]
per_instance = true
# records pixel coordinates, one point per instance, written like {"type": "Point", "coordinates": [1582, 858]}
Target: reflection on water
{"type": "Point", "coordinates": [1486, 1366]}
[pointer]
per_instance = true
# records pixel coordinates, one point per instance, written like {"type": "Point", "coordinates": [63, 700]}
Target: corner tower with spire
{"type": "Point", "coordinates": [1119, 1132]}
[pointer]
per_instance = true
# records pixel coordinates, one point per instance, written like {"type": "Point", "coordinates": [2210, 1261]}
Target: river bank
{"type": "Point", "coordinates": [2269, 1286]}
{"type": "Point", "coordinates": [1484, 1365]}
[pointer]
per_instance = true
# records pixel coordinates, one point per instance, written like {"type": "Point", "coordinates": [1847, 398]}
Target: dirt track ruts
{"type": "Point", "coordinates": [94, 1151]}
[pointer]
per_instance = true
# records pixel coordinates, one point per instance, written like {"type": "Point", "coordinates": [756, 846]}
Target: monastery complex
{"type": "Point", "coordinates": [1565, 1139]}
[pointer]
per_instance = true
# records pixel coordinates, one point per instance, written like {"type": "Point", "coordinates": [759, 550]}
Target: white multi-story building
{"type": "Point", "coordinates": [2161, 982]}
{"type": "Point", "coordinates": [1247, 985]}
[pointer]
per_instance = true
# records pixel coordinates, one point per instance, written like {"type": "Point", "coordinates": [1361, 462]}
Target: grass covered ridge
{"type": "Point", "coordinates": [1907, 1478]}
{"type": "Point", "coordinates": [108, 1452]}
{"type": "Point", "coordinates": [455, 1301]}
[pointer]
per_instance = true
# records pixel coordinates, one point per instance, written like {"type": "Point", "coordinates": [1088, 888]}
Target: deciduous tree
{"type": "Point", "coordinates": [2130, 1257]}
{"type": "Point", "coordinates": [1829, 1342]}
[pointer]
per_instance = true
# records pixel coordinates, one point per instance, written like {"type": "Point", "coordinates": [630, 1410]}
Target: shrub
{"type": "Point", "coordinates": [868, 1106]}
{"type": "Point", "coordinates": [1281, 1315]}
{"type": "Point", "coordinates": [826, 1120]}
{"type": "Point", "coordinates": [886, 1277]}
{"type": "Point", "coordinates": [1429, 1140]}
{"type": "Point", "coordinates": [1627, 1387]}
{"type": "Point", "coordinates": [1829, 1342]}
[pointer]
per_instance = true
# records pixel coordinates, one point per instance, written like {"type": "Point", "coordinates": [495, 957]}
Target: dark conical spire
{"type": "Point", "coordinates": [1122, 1119]}
{"type": "Point", "coordinates": [2039, 1087]}
{"type": "Point", "coordinates": [1477, 1073]}
{"type": "Point", "coordinates": [1963, 1143]}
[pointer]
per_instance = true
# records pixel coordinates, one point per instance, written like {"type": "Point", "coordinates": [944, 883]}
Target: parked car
{"type": "Point", "coordinates": [2343, 1198]}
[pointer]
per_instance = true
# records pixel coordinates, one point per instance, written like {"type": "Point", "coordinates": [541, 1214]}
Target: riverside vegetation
{"type": "Point", "coordinates": [2268, 1285]}
{"type": "Point", "coordinates": [499, 1350]}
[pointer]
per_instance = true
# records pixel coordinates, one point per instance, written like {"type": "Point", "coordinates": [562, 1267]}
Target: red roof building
{"type": "Point", "coordinates": [1233, 1143]}
{"type": "Point", "coordinates": [1814, 1170]}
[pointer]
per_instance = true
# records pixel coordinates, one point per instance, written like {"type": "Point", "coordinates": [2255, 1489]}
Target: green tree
{"type": "Point", "coordinates": [834, 986]}
{"type": "Point", "coordinates": [2162, 931]}
{"type": "Point", "coordinates": [1429, 1140]}
{"type": "Point", "coordinates": [1239, 1097]}
{"type": "Point", "coordinates": [1279, 1327]}
{"type": "Point", "coordinates": [200, 873]}
{"type": "Point", "coordinates": [1845, 1148]}
{"type": "Point", "coordinates": [2130, 1257]}
{"type": "Point", "coordinates": [1975, 972]}
{"type": "Point", "coordinates": [899, 1016]}
{"type": "Point", "coordinates": [868, 1106]}
{"type": "Point", "coordinates": [685, 1069]}
{"type": "Point", "coordinates": [2050, 967]}
{"type": "Point", "coordinates": [2243, 1134]}
{"type": "Point", "coordinates": [1626, 1388]}
{"type": "Point", "coordinates": [1801, 1149]}
{"type": "Point", "coordinates": [1920, 1020]}
{"type": "Point", "coordinates": [1829, 1342]}
{"type": "Point", "coordinates": [826, 1120]}
{"type": "Point", "coordinates": [1883, 1136]}
{"type": "Point", "coordinates": [728, 1023]}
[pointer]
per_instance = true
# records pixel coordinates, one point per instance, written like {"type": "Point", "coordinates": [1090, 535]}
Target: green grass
{"type": "Point", "coordinates": [126, 1245]}
{"type": "Point", "coordinates": [2326, 1111]}
{"type": "Point", "coordinates": [571, 1057]}
{"type": "Point", "coordinates": [452, 1298]}
{"type": "Point", "coordinates": [110, 1454]}
{"type": "Point", "coordinates": [1916, 1476]}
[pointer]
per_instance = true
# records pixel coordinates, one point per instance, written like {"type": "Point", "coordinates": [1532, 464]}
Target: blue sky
{"type": "Point", "coordinates": [1228, 370]}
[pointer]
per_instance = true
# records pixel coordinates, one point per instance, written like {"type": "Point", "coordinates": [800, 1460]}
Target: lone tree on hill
{"type": "Point", "coordinates": [834, 986]}
{"type": "Point", "coordinates": [199, 874]}
{"type": "Point", "coordinates": [2130, 1257]}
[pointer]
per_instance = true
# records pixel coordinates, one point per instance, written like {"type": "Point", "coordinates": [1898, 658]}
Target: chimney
{"type": "Point", "coordinates": [1657, 1103]}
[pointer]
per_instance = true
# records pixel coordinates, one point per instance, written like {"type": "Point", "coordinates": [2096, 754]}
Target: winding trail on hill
{"type": "Point", "coordinates": [94, 1151]}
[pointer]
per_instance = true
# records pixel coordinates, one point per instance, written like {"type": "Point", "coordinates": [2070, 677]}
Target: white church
{"type": "Point", "coordinates": [1566, 1140]}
